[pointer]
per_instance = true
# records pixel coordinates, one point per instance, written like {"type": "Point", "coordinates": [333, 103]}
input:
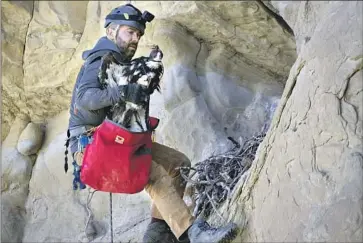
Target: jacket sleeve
{"type": "Point", "coordinates": [90, 96]}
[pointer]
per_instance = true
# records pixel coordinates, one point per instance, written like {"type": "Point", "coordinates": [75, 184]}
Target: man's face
{"type": "Point", "coordinates": [127, 40]}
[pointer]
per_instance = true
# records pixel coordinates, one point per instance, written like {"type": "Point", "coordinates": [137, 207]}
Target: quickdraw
{"type": "Point", "coordinates": [77, 177]}
{"type": "Point", "coordinates": [83, 140]}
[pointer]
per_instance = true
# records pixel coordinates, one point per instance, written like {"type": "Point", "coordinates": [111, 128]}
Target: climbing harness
{"type": "Point", "coordinates": [83, 139]}
{"type": "Point", "coordinates": [77, 177]}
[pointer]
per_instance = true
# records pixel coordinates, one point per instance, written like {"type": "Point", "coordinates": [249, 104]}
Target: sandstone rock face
{"type": "Point", "coordinates": [15, 18]}
{"type": "Point", "coordinates": [30, 139]}
{"type": "Point", "coordinates": [53, 36]}
{"type": "Point", "coordinates": [15, 176]}
{"type": "Point", "coordinates": [306, 184]}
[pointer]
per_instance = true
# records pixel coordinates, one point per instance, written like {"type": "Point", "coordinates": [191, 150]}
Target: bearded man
{"type": "Point", "coordinates": [171, 220]}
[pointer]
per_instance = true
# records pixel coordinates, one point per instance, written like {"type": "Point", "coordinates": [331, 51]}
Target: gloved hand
{"type": "Point", "coordinates": [134, 93]}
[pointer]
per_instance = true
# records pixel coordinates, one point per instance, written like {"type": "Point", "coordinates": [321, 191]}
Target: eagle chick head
{"type": "Point", "coordinates": [156, 54]}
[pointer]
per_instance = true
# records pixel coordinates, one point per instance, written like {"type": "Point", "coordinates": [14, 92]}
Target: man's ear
{"type": "Point", "coordinates": [111, 33]}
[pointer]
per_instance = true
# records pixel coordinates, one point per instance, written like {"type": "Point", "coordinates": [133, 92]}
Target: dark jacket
{"type": "Point", "coordinates": [89, 101]}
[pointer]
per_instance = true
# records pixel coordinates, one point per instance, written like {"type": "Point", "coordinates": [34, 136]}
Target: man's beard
{"type": "Point", "coordinates": [125, 50]}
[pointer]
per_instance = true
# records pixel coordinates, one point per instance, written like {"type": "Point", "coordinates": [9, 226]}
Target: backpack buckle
{"type": "Point", "coordinates": [119, 139]}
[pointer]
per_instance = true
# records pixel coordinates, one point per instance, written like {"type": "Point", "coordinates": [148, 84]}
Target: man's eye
{"type": "Point", "coordinates": [132, 32]}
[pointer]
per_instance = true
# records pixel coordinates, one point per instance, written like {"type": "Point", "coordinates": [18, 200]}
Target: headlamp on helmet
{"type": "Point", "coordinates": [147, 16]}
{"type": "Point", "coordinates": [129, 15]}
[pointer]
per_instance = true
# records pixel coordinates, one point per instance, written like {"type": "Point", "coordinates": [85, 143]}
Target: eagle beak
{"type": "Point", "coordinates": [158, 57]}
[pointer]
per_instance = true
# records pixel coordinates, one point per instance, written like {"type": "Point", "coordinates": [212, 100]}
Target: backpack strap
{"type": "Point", "coordinates": [154, 122]}
{"type": "Point", "coordinates": [90, 59]}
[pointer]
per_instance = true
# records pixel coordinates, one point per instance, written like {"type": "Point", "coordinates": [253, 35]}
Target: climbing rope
{"type": "Point", "coordinates": [89, 198]}
{"type": "Point", "coordinates": [111, 217]}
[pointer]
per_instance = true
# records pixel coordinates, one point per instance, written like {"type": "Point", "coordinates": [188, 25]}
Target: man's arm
{"type": "Point", "coordinates": [90, 96]}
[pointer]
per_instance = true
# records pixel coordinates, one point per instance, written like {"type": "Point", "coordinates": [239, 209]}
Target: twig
{"type": "Point", "coordinates": [217, 175]}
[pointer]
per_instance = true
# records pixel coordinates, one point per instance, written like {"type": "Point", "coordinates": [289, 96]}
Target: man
{"type": "Point", "coordinates": [171, 218]}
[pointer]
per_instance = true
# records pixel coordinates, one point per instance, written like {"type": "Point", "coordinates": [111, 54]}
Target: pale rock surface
{"type": "Point", "coordinates": [210, 102]}
{"type": "Point", "coordinates": [306, 184]}
{"type": "Point", "coordinates": [53, 36]}
{"type": "Point", "coordinates": [30, 139]}
{"type": "Point", "coordinates": [15, 18]}
{"type": "Point", "coordinates": [15, 175]}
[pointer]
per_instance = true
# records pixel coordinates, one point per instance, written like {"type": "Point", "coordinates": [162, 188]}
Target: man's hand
{"type": "Point", "coordinates": [134, 93]}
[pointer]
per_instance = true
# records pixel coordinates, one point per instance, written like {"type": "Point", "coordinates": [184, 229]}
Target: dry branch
{"type": "Point", "coordinates": [216, 176]}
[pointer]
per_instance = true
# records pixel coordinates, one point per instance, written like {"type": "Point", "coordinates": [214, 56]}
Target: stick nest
{"type": "Point", "coordinates": [215, 177]}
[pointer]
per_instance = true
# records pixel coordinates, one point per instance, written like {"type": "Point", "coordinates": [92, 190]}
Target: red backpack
{"type": "Point", "coordinates": [118, 160]}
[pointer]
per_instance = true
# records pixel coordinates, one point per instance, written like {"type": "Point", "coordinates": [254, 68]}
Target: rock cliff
{"type": "Point", "coordinates": [231, 68]}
